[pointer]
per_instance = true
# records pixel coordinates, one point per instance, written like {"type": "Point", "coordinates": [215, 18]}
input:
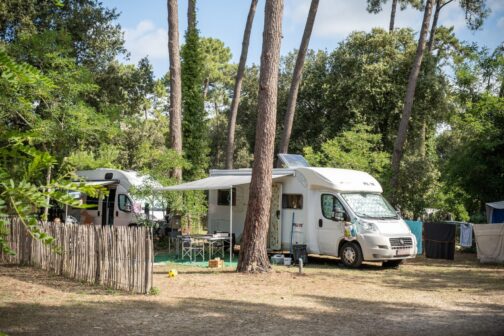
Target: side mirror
{"type": "Point", "coordinates": [340, 216]}
{"type": "Point", "coordinates": [127, 208]}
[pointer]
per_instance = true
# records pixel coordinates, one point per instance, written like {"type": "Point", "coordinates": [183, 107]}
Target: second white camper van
{"type": "Point", "coordinates": [120, 207]}
{"type": "Point", "coordinates": [335, 212]}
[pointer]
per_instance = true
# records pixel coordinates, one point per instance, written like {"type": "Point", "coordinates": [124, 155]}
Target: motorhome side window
{"type": "Point", "coordinates": [92, 200]}
{"type": "Point", "coordinates": [125, 203]}
{"type": "Point", "coordinates": [223, 197]}
{"type": "Point", "coordinates": [331, 206]}
{"type": "Point", "coordinates": [292, 201]}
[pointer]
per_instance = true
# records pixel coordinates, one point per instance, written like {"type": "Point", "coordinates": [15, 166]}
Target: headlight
{"type": "Point", "coordinates": [366, 226]}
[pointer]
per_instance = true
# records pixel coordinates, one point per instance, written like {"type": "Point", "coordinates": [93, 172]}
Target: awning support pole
{"type": "Point", "coordinates": [230, 225]}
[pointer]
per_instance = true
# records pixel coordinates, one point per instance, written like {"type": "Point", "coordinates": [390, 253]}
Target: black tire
{"type": "Point", "coordinates": [392, 263]}
{"type": "Point", "coordinates": [351, 255]}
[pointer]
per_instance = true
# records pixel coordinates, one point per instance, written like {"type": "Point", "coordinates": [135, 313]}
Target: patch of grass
{"type": "Point", "coordinates": [152, 291]}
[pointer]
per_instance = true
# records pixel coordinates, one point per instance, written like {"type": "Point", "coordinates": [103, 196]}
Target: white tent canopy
{"type": "Point", "coordinates": [215, 183]}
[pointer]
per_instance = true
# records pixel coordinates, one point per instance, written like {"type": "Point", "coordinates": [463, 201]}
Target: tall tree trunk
{"type": "Point", "coordinates": [432, 37]}
{"type": "Point", "coordinates": [175, 84]}
{"type": "Point", "coordinates": [392, 15]}
{"type": "Point", "coordinates": [408, 101]}
{"type": "Point", "coordinates": [253, 255]}
{"type": "Point", "coordinates": [237, 88]}
{"type": "Point", "coordinates": [296, 78]}
{"type": "Point", "coordinates": [191, 14]}
{"type": "Point", "coordinates": [206, 84]}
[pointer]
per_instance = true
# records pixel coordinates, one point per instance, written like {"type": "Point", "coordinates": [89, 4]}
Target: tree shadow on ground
{"type": "Point", "coordinates": [463, 273]}
{"type": "Point", "coordinates": [319, 315]}
{"type": "Point", "coordinates": [33, 275]}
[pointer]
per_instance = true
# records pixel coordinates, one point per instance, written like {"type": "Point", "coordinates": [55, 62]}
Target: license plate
{"type": "Point", "coordinates": [403, 252]}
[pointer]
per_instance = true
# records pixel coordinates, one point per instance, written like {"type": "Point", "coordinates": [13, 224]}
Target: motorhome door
{"type": "Point", "coordinates": [275, 227]}
{"type": "Point", "coordinates": [330, 224]}
{"type": "Point", "coordinates": [108, 206]}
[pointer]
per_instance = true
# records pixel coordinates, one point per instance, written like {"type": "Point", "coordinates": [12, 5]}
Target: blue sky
{"type": "Point", "coordinates": [145, 25]}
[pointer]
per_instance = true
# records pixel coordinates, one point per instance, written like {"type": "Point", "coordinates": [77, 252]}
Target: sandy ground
{"type": "Point", "coordinates": [422, 297]}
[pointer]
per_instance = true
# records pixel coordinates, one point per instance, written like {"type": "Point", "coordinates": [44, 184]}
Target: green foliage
{"type": "Point", "coordinates": [154, 291]}
{"type": "Point", "coordinates": [22, 194]}
{"type": "Point", "coordinates": [106, 157]}
{"type": "Point", "coordinates": [375, 6]}
{"type": "Point", "coordinates": [194, 125]}
{"type": "Point", "coordinates": [357, 149]}
{"type": "Point", "coordinates": [472, 151]}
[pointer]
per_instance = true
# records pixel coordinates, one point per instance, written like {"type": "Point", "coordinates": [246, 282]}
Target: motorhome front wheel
{"type": "Point", "coordinates": [351, 255]}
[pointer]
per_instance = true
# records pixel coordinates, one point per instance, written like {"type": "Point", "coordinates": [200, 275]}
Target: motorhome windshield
{"type": "Point", "coordinates": [367, 205]}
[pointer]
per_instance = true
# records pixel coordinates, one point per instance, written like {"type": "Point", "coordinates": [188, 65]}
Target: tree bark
{"type": "Point", "coordinates": [408, 101]}
{"type": "Point", "coordinates": [253, 255]}
{"type": "Point", "coordinates": [191, 14]}
{"type": "Point", "coordinates": [296, 78]}
{"type": "Point", "coordinates": [237, 88]}
{"type": "Point", "coordinates": [392, 15]}
{"type": "Point", "coordinates": [175, 84]}
{"type": "Point", "coordinates": [432, 37]}
{"type": "Point", "coordinates": [206, 84]}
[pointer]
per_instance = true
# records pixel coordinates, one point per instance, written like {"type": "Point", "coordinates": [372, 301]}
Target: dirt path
{"type": "Point", "coordinates": [422, 297]}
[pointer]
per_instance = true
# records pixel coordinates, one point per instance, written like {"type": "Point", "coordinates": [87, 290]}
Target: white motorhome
{"type": "Point", "coordinates": [120, 207]}
{"type": "Point", "coordinates": [314, 206]}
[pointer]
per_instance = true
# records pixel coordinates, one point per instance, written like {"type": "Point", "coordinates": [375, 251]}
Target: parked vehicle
{"type": "Point", "coordinates": [121, 206]}
{"type": "Point", "coordinates": [336, 212]}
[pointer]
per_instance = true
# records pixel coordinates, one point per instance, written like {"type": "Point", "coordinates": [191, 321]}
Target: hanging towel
{"type": "Point", "coordinates": [466, 235]}
{"type": "Point", "coordinates": [416, 228]}
{"type": "Point", "coordinates": [490, 242]}
{"type": "Point", "coordinates": [439, 240]}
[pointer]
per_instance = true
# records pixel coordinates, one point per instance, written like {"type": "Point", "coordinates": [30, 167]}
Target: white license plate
{"type": "Point", "coordinates": [403, 252]}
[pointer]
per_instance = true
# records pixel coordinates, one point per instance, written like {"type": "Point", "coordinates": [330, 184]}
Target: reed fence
{"type": "Point", "coordinates": [115, 257]}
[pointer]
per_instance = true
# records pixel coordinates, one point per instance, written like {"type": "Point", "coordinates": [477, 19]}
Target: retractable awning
{"type": "Point", "coordinates": [99, 183]}
{"type": "Point", "coordinates": [215, 182]}
{"type": "Point", "coordinates": [219, 182]}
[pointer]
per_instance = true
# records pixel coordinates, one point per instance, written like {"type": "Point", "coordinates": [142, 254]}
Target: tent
{"type": "Point", "coordinates": [495, 212]}
{"type": "Point", "coordinates": [216, 183]}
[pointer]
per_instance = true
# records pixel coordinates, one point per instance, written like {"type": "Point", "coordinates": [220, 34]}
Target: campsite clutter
{"type": "Point", "coordinates": [490, 242]}
{"type": "Point", "coordinates": [416, 228]}
{"type": "Point", "coordinates": [439, 240]}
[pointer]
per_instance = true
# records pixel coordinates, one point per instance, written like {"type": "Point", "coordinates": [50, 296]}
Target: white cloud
{"type": "Point", "coordinates": [146, 40]}
{"type": "Point", "coordinates": [338, 18]}
{"type": "Point", "coordinates": [496, 5]}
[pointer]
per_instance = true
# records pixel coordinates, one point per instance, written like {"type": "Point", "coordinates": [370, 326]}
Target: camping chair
{"type": "Point", "coordinates": [197, 249]}
{"type": "Point", "coordinates": [186, 248]}
{"type": "Point", "coordinates": [216, 248]}
{"type": "Point", "coordinates": [172, 238]}
{"type": "Point", "coordinates": [226, 242]}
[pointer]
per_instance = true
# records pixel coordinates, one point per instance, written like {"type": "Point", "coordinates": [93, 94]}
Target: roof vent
{"type": "Point", "coordinates": [109, 176]}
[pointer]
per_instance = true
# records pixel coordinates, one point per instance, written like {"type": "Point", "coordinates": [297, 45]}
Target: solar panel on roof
{"type": "Point", "coordinates": [293, 160]}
